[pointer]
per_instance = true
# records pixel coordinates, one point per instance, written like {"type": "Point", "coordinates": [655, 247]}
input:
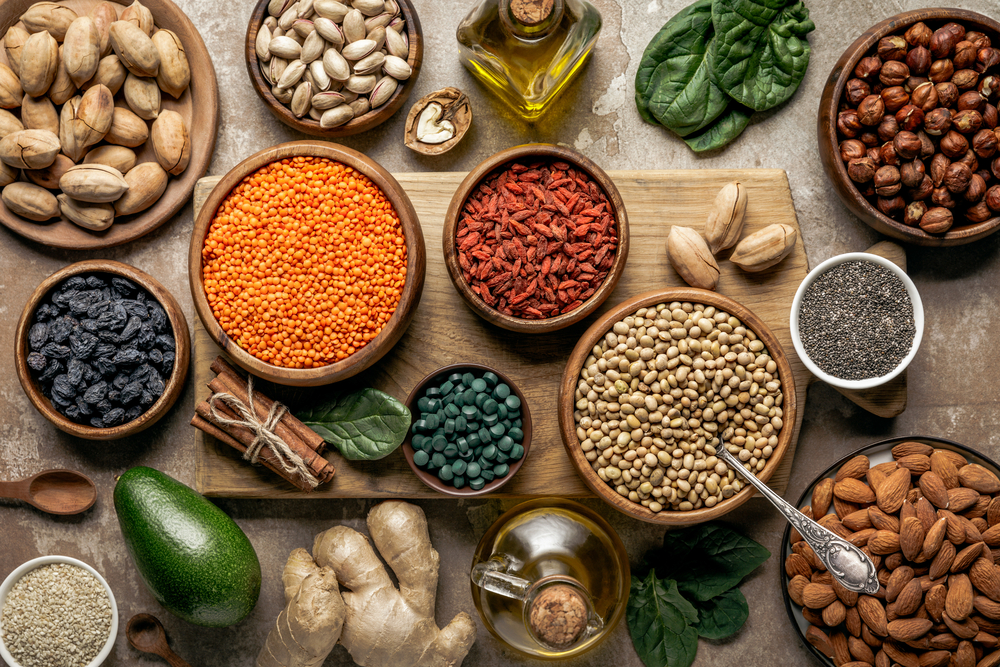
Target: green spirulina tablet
{"type": "Point", "coordinates": [433, 392]}
{"type": "Point", "coordinates": [431, 421]}
{"type": "Point", "coordinates": [421, 458]}
{"type": "Point", "coordinates": [445, 474]}
{"type": "Point", "coordinates": [481, 400]}
{"type": "Point", "coordinates": [478, 385]}
{"type": "Point", "coordinates": [458, 482]}
{"type": "Point", "coordinates": [501, 458]}
{"type": "Point", "coordinates": [476, 484]}
{"type": "Point", "coordinates": [459, 467]}
{"type": "Point", "coordinates": [487, 475]}
{"type": "Point", "coordinates": [515, 433]}
{"type": "Point", "coordinates": [468, 378]}
{"type": "Point", "coordinates": [502, 391]}
{"type": "Point", "coordinates": [516, 452]}
{"type": "Point", "coordinates": [473, 470]}
{"type": "Point", "coordinates": [419, 425]}
{"type": "Point", "coordinates": [490, 378]}
{"type": "Point", "coordinates": [512, 402]}
{"type": "Point", "coordinates": [470, 411]}
{"type": "Point", "coordinates": [452, 410]}
{"type": "Point", "coordinates": [490, 452]}
{"type": "Point", "coordinates": [501, 470]}
{"type": "Point", "coordinates": [439, 442]}
{"type": "Point", "coordinates": [438, 460]}
{"type": "Point", "coordinates": [474, 440]}
{"type": "Point", "coordinates": [450, 451]}
{"type": "Point", "coordinates": [497, 430]}
{"type": "Point", "coordinates": [489, 406]}
{"type": "Point", "coordinates": [485, 435]}
{"type": "Point", "coordinates": [455, 377]}
{"type": "Point", "coordinates": [490, 420]}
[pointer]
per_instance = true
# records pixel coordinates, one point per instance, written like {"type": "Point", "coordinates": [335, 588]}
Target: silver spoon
{"type": "Point", "coordinates": [847, 563]}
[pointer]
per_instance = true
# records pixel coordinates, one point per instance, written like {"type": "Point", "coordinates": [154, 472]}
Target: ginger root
{"type": "Point", "coordinates": [382, 626]}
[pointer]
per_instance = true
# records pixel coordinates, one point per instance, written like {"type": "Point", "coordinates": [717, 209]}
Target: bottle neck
{"type": "Point", "coordinates": [530, 19]}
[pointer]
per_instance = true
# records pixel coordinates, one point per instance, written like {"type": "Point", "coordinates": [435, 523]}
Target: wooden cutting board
{"type": "Point", "coordinates": [445, 331]}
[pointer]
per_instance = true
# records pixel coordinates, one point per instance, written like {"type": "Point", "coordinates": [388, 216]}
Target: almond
{"type": "Point", "coordinates": [965, 656]}
{"type": "Point", "coordinates": [935, 658]}
{"type": "Point", "coordinates": [853, 622]}
{"type": "Point", "coordinates": [987, 607]}
{"type": "Point", "coordinates": [873, 614]}
{"type": "Point", "coordinates": [822, 496]}
{"type": "Point", "coordinates": [909, 598]}
{"type": "Point", "coordinates": [955, 531]}
{"type": "Point", "coordinates": [934, 490]}
{"type": "Point", "coordinates": [993, 512]}
{"type": "Point", "coordinates": [906, 629]}
{"type": "Point", "coordinates": [861, 537]}
{"type": "Point", "coordinates": [897, 653]}
{"type": "Point", "coordinates": [944, 467]}
{"type": "Point", "coordinates": [834, 613]}
{"type": "Point", "coordinates": [883, 542]}
{"type": "Point", "coordinates": [961, 499]}
{"type": "Point", "coordinates": [876, 477]}
{"type": "Point", "coordinates": [911, 447]}
{"type": "Point", "coordinates": [882, 521]}
{"type": "Point", "coordinates": [926, 513]}
{"type": "Point", "coordinates": [795, 587]}
{"type": "Point", "coordinates": [958, 603]}
{"type": "Point", "coordinates": [765, 248]}
{"type": "Point", "coordinates": [844, 507]}
{"type": "Point", "coordinates": [934, 538]}
{"type": "Point", "coordinates": [943, 560]}
{"type": "Point", "coordinates": [831, 523]}
{"type": "Point", "coordinates": [817, 596]}
{"type": "Point", "coordinates": [911, 537]}
{"type": "Point", "coordinates": [689, 255]}
{"type": "Point", "coordinates": [819, 640]}
{"type": "Point", "coordinates": [966, 629]}
{"type": "Point", "coordinates": [985, 577]}
{"type": "Point", "coordinates": [853, 490]}
{"type": "Point", "coordinates": [990, 660]}
{"type": "Point", "coordinates": [856, 521]}
{"type": "Point", "coordinates": [917, 464]}
{"type": "Point", "coordinates": [965, 557]}
{"type": "Point", "coordinates": [978, 511]}
{"type": "Point", "coordinates": [796, 565]}
{"type": "Point", "coordinates": [975, 476]}
{"type": "Point", "coordinates": [849, 598]}
{"type": "Point", "coordinates": [892, 492]}
{"type": "Point", "coordinates": [857, 468]}
{"type": "Point", "coordinates": [956, 458]}
{"type": "Point", "coordinates": [934, 602]}
{"type": "Point", "coordinates": [992, 535]}
{"type": "Point", "coordinates": [860, 651]}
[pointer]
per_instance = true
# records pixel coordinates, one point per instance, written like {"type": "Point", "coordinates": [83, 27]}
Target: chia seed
{"type": "Point", "coordinates": [856, 321]}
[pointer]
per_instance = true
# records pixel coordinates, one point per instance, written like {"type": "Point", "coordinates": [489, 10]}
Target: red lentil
{"type": "Point", "coordinates": [536, 241]}
{"type": "Point", "coordinates": [304, 262]}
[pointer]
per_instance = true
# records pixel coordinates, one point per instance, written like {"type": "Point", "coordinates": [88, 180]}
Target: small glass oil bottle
{"type": "Point", "coordinates": [527, 51]}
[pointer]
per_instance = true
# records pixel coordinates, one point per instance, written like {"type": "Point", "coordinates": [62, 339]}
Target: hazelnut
{"type": "Point", "coordinates": [889, 155]}
{"type": "Point", "coordinates": [892, 48]}
{"type": "Point", "coordinates": [989, 85]}
{"type": "Point", "coordinates": [984, 173]}
{"type": "Point", "coordinates": [976, 189]}
{"type": "Point", "coordinates": [894, 98]}
{"type": "Point", "coordinates": [911, 174]}
{"type": "Point", "coordinates": [954, 145]}
{"type": "Point", "coordinates": [988, 57]}
{"type": "Point", "coordinates": [925, 96]}
{"type": "Point", "coordinates": [971, 100]}
{"type": "Point", "coordinates": [942, 197]}
{"type": "Point", "coordinates": [956, 29]}
{"type": "Point", "coordinates": [984, 144]}
{"type": "Point", "coordinates": [941, 71]}
{"type": "Point", "coordinates": [861, 170]}
{"type": "Point", "coordinates": [942, 42]}
{"type": "Point", "coordinates": [937, 122]}
{"type": "Point", "coordinates": [918, 60]}
{"type": "Point", "coordinates": [888, 128]}
{"type": "Point", "coordinates": [936, 220]}
{"type": "Point", "coordinates": [927, 147]}
{"type": "Point", "coordinates": [867, 191]}
{"type": "Point", "coordinates": [871, 110]}
{"type": "Point", "coordinates": [914, 211]}
{"type": "Point", "coordinates": [922, 191]}
{"type": "Point", "coordinates": [856, 90]}
{"type": "Point", "coordinates": [956, 178]}
{"type": "Point", "coordinates": [868, 68]}
{"type": "Point", "coordinates": [875, 155]}
{"type": "Point", "coordinates": [912, 82]}
{"type": "Point", "coordinates": [869, 139]}
{"type": "Point", "coordinates": [969, 160]}
{"type": "Point", "coordinates": [890, 206]}
{"type": "Point", "coordinates": [894, 73]}
{"type": "Point", "coordinates": [978, 39]}
{"type": "Point", "coordinates": [910, 118]}
{"type": "Point", "coordinates": [965, 55]}
{"type": "Point", "coordinates": [919, 35]}
{"type": "Point", "coordinates": [907, 145]}
{"type": "Point", "coordinates": [852, 149]}
{"type": "Point", "coordinates": [887, 182]}
{"type": "Point", "coordinates": [995, 167]}
{"type": "Point", "coordinates": [939, 165]}
{"type": "Point", "coordinates": [978, 213]}
{"type": "Point", "coordinates": [848, 123]}
{"type": "Point", "coordinates": [990, 117]}
{"type": "Point", "coordinates": [965, 79]}
{"type": "Point", "coordinates": [947, 93]}
{"type": "Point", "coordinates": [992, 198]}
{"type": "Point", "coordinates": [967, 122]}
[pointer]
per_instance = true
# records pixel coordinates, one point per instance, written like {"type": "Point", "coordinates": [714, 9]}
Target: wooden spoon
{"type": "Point", "coordinates": [54, 491]}
{"type": "Point", "coordinates": [146, 633]}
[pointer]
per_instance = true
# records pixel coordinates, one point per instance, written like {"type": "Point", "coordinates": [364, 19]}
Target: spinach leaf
{"type": "Point", "coordinates": [723, 615]}
{"type": "Point", "coordinates": [364, 425]}
{"type": "Point", "coordinates": [660, 622]}
{"type": "Point", "coordinates": [758, 56]}
{"type": "Point", "coordinates": [673, 84]}
{"type": "Point", "coordinates": [729, 126]}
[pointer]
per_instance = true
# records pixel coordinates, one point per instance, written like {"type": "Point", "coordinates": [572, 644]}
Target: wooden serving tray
{"type": "Point", "coordinates": [445, 331]}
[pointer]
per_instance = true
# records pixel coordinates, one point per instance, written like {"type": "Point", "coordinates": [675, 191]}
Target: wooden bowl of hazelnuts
{"type": "Point", "coordinates": [908, 127]}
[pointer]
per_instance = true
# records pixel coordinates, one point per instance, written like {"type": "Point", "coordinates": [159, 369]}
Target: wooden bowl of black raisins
{"type": "Point", "coordinates": [102, 350]}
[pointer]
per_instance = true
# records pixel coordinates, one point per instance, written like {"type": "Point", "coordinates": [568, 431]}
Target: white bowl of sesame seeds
{"type": "Point", "coordinates": [56, 610]}
{"type": "Point", "coordinates": [857, 321]}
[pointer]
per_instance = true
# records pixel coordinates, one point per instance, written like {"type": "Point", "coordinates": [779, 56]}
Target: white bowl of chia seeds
{"type": "Point", "coordinates": [857, 321]}
{"type": "Point", "coordinates": [56, 610]}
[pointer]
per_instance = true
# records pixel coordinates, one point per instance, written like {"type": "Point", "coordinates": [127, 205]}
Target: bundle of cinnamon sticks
{"type": "Point", "coordinates": [303, 441]}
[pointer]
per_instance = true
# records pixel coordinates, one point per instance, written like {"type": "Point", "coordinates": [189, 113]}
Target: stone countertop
{"type": "Point", "coordinates": [951, 381]}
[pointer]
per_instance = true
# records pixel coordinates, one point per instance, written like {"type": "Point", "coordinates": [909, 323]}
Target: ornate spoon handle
{"type": "Point", "coordinates": [847, 563]}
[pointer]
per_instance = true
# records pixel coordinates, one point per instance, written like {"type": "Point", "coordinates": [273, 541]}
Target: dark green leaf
{"type": "Point", "coordinates": [707, 560]}
{"type": "Point", "coordinates": [660, 622]}
{"type": "Point", "coordinates": [723, 615]}
{"type": "Point", "coordinates": [726, 128]}
{"type": "Point", "coordinates": [758, 56]}
{"type": "Point", "coordinates": [364, 425]}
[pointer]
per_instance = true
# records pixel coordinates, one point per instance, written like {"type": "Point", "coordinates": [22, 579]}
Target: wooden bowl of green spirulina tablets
{"type": "Point", "coordinates": [470, 430]}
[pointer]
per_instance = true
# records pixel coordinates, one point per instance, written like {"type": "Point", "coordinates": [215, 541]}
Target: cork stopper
{"type": "Point", "coordinates": [558, 616]}
{"type": "Point", "coordinates": [531, 12]}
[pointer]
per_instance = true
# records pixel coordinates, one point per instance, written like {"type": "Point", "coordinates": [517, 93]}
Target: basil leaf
{"type": "Point", "coordinates": [659, 620]}
{"type": "Point", "coordinates": [758, 56]}
{"type": "Point", "coordinates": [724, 130]}
{"type": "Point", "coordinates": [723, 615]}
{"type": "Point", "coordinates": [364, 425]}
{"type": "Point", "coordinates": [708, 560]}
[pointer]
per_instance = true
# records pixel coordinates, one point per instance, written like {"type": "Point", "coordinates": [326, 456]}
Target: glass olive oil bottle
{"type": "Point", "coordinates": [527, 51]}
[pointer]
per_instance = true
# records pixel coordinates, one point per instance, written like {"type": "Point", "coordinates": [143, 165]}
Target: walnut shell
{"type": "Point", "coordinates": [457, 109]}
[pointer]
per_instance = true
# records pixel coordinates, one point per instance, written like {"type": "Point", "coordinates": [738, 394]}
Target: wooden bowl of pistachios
{"type": "Point", "coordinates": [332, 70]}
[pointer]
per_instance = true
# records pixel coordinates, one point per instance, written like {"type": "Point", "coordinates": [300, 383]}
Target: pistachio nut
{"type": "Point", "coordinates": [285, 47]}
{"type": "Point", "coordinates": [354, 28]}
{"type": "Point", "coordinates": [725, 220]}
{"type": "Point", "coordinates": [360, 106]}
{"type": "Point", "coordinates": [305, 9]}
{"type": "Point", "coordinates": [331, 9]}
{"type": "Point", "coordinates": [329, 31]}
{"type": "Point", "coordinates": [348, 95]}
{"type": "Point", "coordinates": [142, 96]}
{"type": "Point", "coordinates": [13, 43]}
{"type": "Point", "coordinates": [289, 16]}
{"type": "Point", "coordinates": [134, 48]}
{"type": "Point", "coordinates": [8, 174]}
{"type": "Point", "coordinates": [303, 27]}
{"type": "Point", "coordinates": [271, 23]}
{"type": "Point", "coordinates": [334, 117]}
{"type": "Point", "coordinates": [276, 69]}
{"type": "Point", "coordinates": [320, 78]}
{"type": "Point", "coordinates": [261, 43]}
{"type": "Point", "coordinates": [380, 21]}
{"type": "Point", "coordinates": [292, 74]}
{"type": "Point", "coordinates": [397, 25]}
{"type": "Point", "coordinates": [82, 50]}
{"type": "Point", "coordinates": [313, 48]}
{"type": "Point", "coordinates": [397, 68]}
{"type": "Point", "coordinates": [127, 129]}
{"type": "Point", "coordinates": [283, 95]}
{"type": "Point", "coordinates": [95, 183]}
{"type": "Point", "coordinates": [110, 73]}
{"type": "Point", "coordinates": [383, 91]}
{"type": "Point", "coordinates": [397, 44]}
{"type": "Point", "coordinates": [362, 85]}
{"type": "Point", "coordinates": [278, 7]}
{"type": "Point", "coordinates": [95, 217]}
{"type": "Point", "coordinates": [118, 157]}
{"type": "Point", "coordinates": [377, 35]}
{"type": "Point", "coordinates": [9, 123]}
{"type": "Point", "coordinates": [358, 50]}
{"type": "Point", "coordinates": [49, 177]}
{"type": "Point", "coordinates": [11, 92]}
{"type": "Point", "coordinates": [175, 72]}
{"type": "Point", "coordinates": [147, 182]}
{"type": "Point", "coordinates": [391, 7]}
{"type": "Point", "coordinates": [48, 17]}
{"type": "Point", "coordinates": [38, 113]}
{"type": "Point", "coordinates": [327, 100]}
{"type": "Point", "coordinates": [39, 62]}
{"type": "Point", "coordinates": [369, 64]}
{"type": "Point", "coordinates": [85, 121]}
{"type": "Point", "coordinates": [302, 99]}
{"type": "Point", "coordinates": [336, 65]}
{"type": "Point", "coordinates": [30, 201]}
{"type": "Point", "coordinates": [369, 7]}
{"type": "Point", "coordinates": [140, 16]}
{"type": "Point", "coordinates": [62, 87]}
{"type": "Point", "coordinates": [29, 149]}
{"type": "Point", "coordinates": [691, 258]}
{"type": "Point", "coordinates": [314, 113]}
{"type": "Point", "coordinates": [765, 248]}
{"type": "Point", "coordinates": [103, 15]}
{"type": "Point", "coordinates": [171, 143]}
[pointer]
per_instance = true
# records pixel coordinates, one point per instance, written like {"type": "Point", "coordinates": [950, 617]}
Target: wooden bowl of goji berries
{"type": "Point", "coordinates": [536, 238]}
{"type": "Point", "coordinates": [306, 263]}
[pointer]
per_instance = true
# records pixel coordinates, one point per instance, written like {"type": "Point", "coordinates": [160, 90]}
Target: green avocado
{"type": "Point", "coordinates": [194, 559]}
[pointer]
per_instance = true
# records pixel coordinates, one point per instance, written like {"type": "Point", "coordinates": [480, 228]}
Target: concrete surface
{"type": "Point", "coordinates": [952, 380]}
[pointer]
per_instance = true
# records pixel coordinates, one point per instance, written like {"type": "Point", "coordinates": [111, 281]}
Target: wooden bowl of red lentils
{"type": "Point", "coordinates": [306, 263]}
{"type": "Point", "coordinates": [536, 238]}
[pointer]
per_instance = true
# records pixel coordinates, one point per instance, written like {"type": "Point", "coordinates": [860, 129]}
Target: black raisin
{"type": "Point", "coordinates": [131, 392]}
{"type": "Point", "coordinates": [105, 366]}
{"type": "Point", "coordinates": [168, 363]}
{"type": "Point", "coordinates": [108, 337]}
{"type": "Point", "coordinates": [96, 392]}
{"type": "Point", "coordinates": [154, 383]}
{"type": "Point", "coordinates": [115, 396]}
{"type": "Point", "coordinates": [46, 312]}
{"type": "Point", "coordinates": [130, 345]}
{"type": "Point", "coordinates": [155, 357]}
{"type": "Point", "coordinates": [59, 401]}
{"type": "Point", "coordinates": [76, 282]}
{"type": "Point", "coordinates": [85, 409]}
{"type": "Point", "coordinates": [120, 316]}
{"type": "Point", "coordinates": [136, 308]}
{"type": "Point", "coordinates": [147, 398]}
{"type": "Point", "coordinates": [120, 380]}
{"type": "Point", "coordinates": [61, 328]}
{"type": "Point", "coordinates": [53, 369]}
{"type": "Point", "coordinates": [63, 388]}
{"type": "Point", "coordinates": [104, 406]}
{"type": "Point", "coordinates": [146, 338]}
{"type": "Point", "coordinates": [83, 301]}
{"type": "Point", "coordinates": [129, 357]}
{"type": "Point", "coordinates": [93, 326]}
{"type": "Point", "coordinates": [158, 318]}
{"type": "Point", "coordinates": [124, 285]}
{"type": "Point", "coordinates": [134, 413]}
{"type": "Point", "coordinates": [74, 371]}
{"type": "Point", "coordinates": [93, 282]}
{"type": "Point", "coordinates": [114, 417]}
{"type": "Point", "coordinates": [72, 411]}
{"type": "Point", "coordinates": [141, 374]}
{"type": "Point", "coordinates": [104, 350]}
{"type": "Point", "coordinates": [37, 361]}
{"type": "Point", "coordinates": [37, 336]}
{"type": "Point", "coordinates": [97, 422]}
{"type": "Point", "coordinates": [83, 343]}
{"type": "Point", "coordinates": [53, 351]}
{"type": "Point", "coordinates": [90, 374]}
{"type": "Point", "coordinates": [165, 341]}
{"type": "Point", "coordinates": [99, 309]}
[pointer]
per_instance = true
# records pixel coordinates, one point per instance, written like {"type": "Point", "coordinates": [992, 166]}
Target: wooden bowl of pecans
{"type": "Point", "coordinates": [535, 238]}
{"type": "Point", "coordinates": [908, 127]}
{"type": "Point", "coordinates": [925, 510]}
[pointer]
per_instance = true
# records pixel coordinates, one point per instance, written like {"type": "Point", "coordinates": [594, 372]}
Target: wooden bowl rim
{"type": "Point", "coordinates": [842, 71]}
{"type": "Point", "coordinates": [431, 480]}
{"type": "Point", "coordinates": [202, 134]}
{"type": "Point", "coordinates": [469, 183]}
{"type": "Point", "coordinates": [174, 384]}
{"type": "Point", "coordinates": [412, 288]}
{"type": "Point", "coordinates": [567, 387]}
{"type": "Point", "coordinates": [357, 125]}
